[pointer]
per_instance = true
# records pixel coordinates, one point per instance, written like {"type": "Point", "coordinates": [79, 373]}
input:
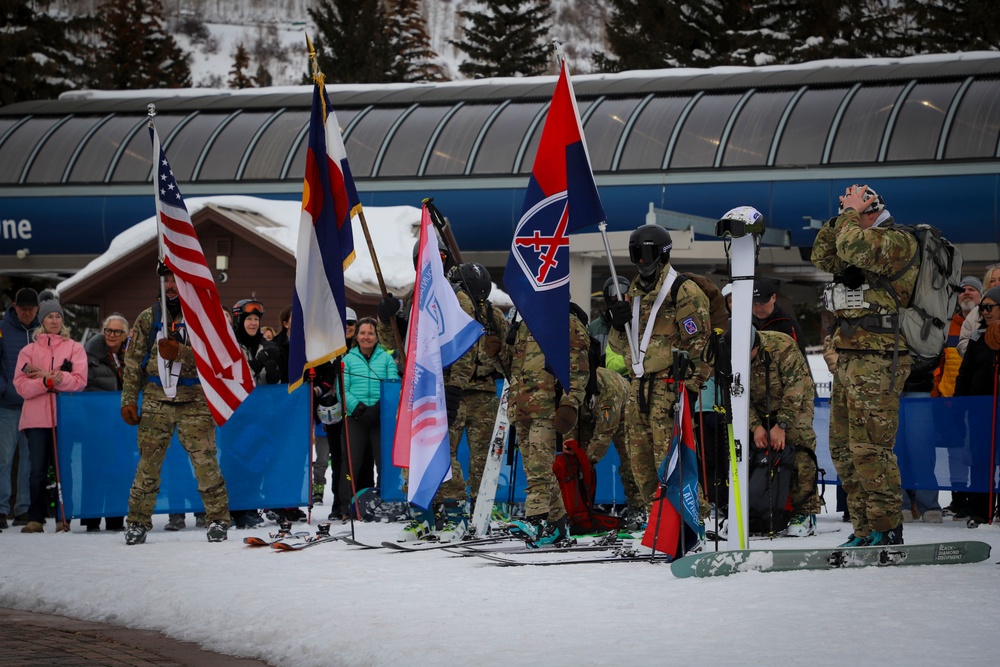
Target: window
{"type": "Point", "coordinates": [451, 150]}
{"type": "Point", "coordinates": [227, 150]}
{"type": "Point", "coordinates": [918, 124]}
{"type": "Point", "coordinates": [18, 147]}
{"type": "Point", "coordinates": [977, 124]}
{"type": "Point", "coordinates": [804, 137]}
{"type": "Point", "coordinates": [402, 157]}
{"type": "Point", "coordinates": [750, 140]}
{"type": "Point", "coordinates": [187, 146]}
{"type": "Point", "coordinates": [528, 161]}
{"type": "Point", "coordinates": [499, 147]}
{"type": "Point", "coordinates": [269, 154]}
{"type": "Point", "coordinates": [604, 128]}
{"type": "Point", "coordinates": [52, 158]}
{"type": "Point", "coordinates": [94, 160]}
{"type": "Point", "coordinates": [366, 138]}
{"type": "Point", "coordinates": [699, 139]}
{"type": "Point", "coordinates": [137, 158]}
{"type": "Point", "coordinates": [859, 135]}
{"type": "Point", "coordinates": [647, 141]}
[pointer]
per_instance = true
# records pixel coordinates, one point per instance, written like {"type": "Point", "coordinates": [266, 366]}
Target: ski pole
{"type": "Point", "coordinates": [347, 446]}
{"type": "Point", "coordinates": [55, 453]}
{"type": "Point", "coordinates": [993, 439]}
{"type": "Point", "coordinates": [312, 443]}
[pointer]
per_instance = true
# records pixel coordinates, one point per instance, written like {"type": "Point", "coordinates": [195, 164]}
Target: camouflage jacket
{"type": "Point", "coordinates": [460, 373]}
{"type": "Point", "coordinates": [790, 391]}
{"type": "Point", "coordinates": [685, 325]}
{"type": "Point", "coordinates": [135, 377]}
{"type": "Point", "coordinates": [877, 251]}
{"type": "Point", "coordinates": [532, 388]}
{"type": "Point", "coordinates": [600, 422]}
{"type": "Point", "coordinates": [486, 370]}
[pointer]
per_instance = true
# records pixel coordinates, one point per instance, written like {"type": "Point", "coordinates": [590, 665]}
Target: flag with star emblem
{"type": "Point", "coordinates": [561, 198]}
{"type": "Point", "coordinates": [225, 376]}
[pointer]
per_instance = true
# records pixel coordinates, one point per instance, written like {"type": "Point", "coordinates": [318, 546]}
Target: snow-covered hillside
{"type": "Point", "coordinates": [272, 31]}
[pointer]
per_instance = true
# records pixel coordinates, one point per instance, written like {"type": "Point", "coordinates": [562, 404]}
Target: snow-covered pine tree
{"type": "Point", "coordinates": [137, 52]}
{"type": "Point", "coordinates": [650, 34]}
{"type": "Point", "coordinates": [949, 26]}
{"type": "Point", "coordinates": [414, 58]}
{"type": "Point", "coordinates": [41, 55]}
{"type": "Point", "coordinates": [352, 44]}
{"type": "Point", "coordinates": [237, 75]}
{"type": "Point", "coordinates": [505, 38]}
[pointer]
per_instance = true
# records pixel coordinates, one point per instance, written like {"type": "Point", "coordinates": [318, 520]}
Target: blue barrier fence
{"type": "Point", "coordinates": [263, 452]}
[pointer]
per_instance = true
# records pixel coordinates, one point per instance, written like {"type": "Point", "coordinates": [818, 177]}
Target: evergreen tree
{"type": "Point", "coordinates": [237, 75]}
{"type": "Point", "coordinates": [948, 26]}
{"type": "Point", "coordinates": [137, 51]}
{"type": "Point", "coordinates": [414, 58]}
{"type": "Point", "coordinates": [506, 38]}
{"type": "Point", "coordinates": [40, 55]}
{"type": "Point", "coordinates": [353, 41]}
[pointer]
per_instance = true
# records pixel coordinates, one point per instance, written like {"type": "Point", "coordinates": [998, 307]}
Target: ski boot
{"type": "Point", "coordinates": [456, 522]}
{"type": "Point", "coordinates": [175, 522]}
{"type": "Point", "coordinates": [217, 531]}
{"type": "Point", "coordinates": [529, 528]}
{"type": "Point", "coordinates": [801, 525]}
{"type": "Point", "coordinates": [554, 534]}
{"type": "Point", "coordinates": [318, 490]}
{"type": "Point", "coordinates": [420, 524]}
{"type": "Point", "coordinates": [135, 534]}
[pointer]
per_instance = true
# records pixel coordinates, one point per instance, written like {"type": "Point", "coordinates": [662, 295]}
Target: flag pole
{"type": "Point", "coordinates": [164, 325]}
{"type": "Point", "coordinates": [319, 79]}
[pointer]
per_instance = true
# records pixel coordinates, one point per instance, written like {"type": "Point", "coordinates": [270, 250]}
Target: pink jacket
{"type": "Point", "coordinates": [48, 352]}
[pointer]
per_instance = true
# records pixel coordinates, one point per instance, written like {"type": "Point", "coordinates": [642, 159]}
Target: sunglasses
{"type": "Point", "coordinates": [114, 332]}
{"type": "Point", "coordinates": [987, 307]}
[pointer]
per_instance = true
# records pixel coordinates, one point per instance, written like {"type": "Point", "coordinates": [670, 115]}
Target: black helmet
{"type": "Point", "coordinates": [248, 306]}
{"type": "Point", "coordinates": [649, 249]}
{"type": "Point", "coordinates": [610, 296]}
{"type": "Point", "coordinates": [476, 280]}
{"type": "Point", "coordinates": [446, 258]}
{"type": "Point", "coordinates": [727, 338]}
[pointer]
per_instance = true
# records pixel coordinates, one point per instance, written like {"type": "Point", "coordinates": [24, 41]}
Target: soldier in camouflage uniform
{"type": "Point", "coordinates": [452, 494]}
{"type": "Point", "coordinates": [183, 408]}
{"type": "Point", "coordinates": [480, 403]}
{"type": "Point", "coordinates": [540, 409]}
{"type": "Point", "coordinates": [682, 324]}
{"type": "Point", "coordinates": [604, 422]}
{"type": "Point", "coordinates": [862, 249]}
{"type": "Point", "coordinates": [781, 413]}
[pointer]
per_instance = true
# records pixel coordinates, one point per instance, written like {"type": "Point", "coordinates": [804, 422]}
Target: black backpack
{"type": "Point", "coordinates": [769, 492]}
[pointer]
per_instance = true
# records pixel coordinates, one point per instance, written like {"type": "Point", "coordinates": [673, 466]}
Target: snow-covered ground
{"type": "Point", "coordinates": [338, 605]}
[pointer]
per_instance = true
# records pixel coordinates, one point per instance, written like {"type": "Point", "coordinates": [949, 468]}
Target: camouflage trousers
{"type": "Point", "coordinates": [537, 441]}
{"type": "Point", "coordinates": [196, 432]}
{"type": "Point", "coordinates": [804, 491]}
{"type": "Point", "coordinates": [479, 410]}
{"type": "Point", "coordinates": [864, 413]}
{"type": "Point", "coordinates": [597, 435]}
{"type": "Point", "coordinates": [649, 434]}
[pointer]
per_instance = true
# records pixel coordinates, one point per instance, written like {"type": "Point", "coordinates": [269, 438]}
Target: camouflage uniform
{"type": "Point", "coordinates": [685, 325]}
{"type": "Point", "coordinates": [604, 423]}
{"type": "Point", "coordinates": [864, 402]}
{"type": "Point", "coordinates": [187, 411]}
{"type": "Point", "coordinates": [532, 406]}
{"type": "Point", "coordinates": [480, 403]}
{"type": "Point", "coordinates": [787, 388]}
{"type": "Point", "coordinates": [459, 374]}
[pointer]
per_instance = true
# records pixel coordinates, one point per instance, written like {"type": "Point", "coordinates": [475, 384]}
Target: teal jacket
{"type": "Point", "coordinates": [363, 377]}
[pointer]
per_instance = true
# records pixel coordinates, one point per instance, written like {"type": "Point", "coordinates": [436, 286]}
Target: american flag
{"type": "Point", "coordinates": [225, 376]}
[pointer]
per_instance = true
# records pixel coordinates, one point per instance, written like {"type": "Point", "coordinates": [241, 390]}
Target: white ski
{"type": "Point", "coordinates": [745, 228]}
{"type": "Point", "coordinates": [491, 473]}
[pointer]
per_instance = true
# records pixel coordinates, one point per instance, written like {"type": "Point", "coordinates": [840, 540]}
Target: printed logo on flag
{"type": "Point", "coordinates": [538, 250]}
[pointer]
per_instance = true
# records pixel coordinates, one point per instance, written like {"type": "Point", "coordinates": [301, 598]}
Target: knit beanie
{"type": "Point", "coordinates": [48, 307]}
{"type": "Point", "coordinates": [993, 293]}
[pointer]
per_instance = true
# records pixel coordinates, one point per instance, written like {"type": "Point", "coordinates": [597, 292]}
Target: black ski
{"type": "Point", "coordinates": [424, 545]}
{"type": "Point", "coordinates": [619, 555]}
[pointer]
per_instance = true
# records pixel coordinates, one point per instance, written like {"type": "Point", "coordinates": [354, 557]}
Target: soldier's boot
{"type": "Point", "coordinates": [218, 531]}
{"type": "Point", "coordinates": [135, 533]}
{"type": "Point", "coordinates": [554, 533]}
{"type": "Point", "coordinates": [886, 537]}
{"type": "Point", "coordinates": [456, 522]}
{"type": "Point", "coordinates": [529, 528]}
{"type": "Point", "coordinates": [175, 522]}
{"type": "Point", "coordinates": [318, 491]}
{"type": "Point", "coordinates": [421, 523]}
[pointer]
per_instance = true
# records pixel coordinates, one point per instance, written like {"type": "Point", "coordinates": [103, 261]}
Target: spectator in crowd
{"type": "Point", "coordinates": [268, 332]}
{"type": "Point", "coordinates": [15, 333]}
{"type": "Point", "coordinates": [944, 384]}
{"type": "Point", "coordinates": [366, 366]}
{"type": "Point", "coordinates": [51, 363]}
{"type": "Point", "coordinates": [105, 361]}
{"type": "Point", "coordinates": [180, 406]}
{"type": "Point", "coordinates": [977, 377]}
{"type": "Point", "coordinates": [769, 316]}
{"type": "Point", "coordinates": [971, 324]}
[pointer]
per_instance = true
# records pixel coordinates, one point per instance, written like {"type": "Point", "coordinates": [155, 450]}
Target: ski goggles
{"type": "Point", "coordinates": [255, 307]}
{"type": "Point", "coordinates": [647, 253]}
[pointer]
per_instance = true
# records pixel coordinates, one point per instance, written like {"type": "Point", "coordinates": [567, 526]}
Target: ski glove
{"type": "Point", "coordinates": [452, 398]}
{"type": "Point", "coordinates": [564, 419]}
{"type": "Point", "coordinates": [992, 336]}
{"type": "Point", "coordinates": [388, 308]}
{"type": "Point", "coordinates": [130, 414]}
{"type": "Point", "coordinates": [168, 348]}
{"type": "Point", "coordinates": [373, 415]}
{"type": "Point", "coordinates": [360, 410]}
{"type": "Point", "coordinates": [621, 313]}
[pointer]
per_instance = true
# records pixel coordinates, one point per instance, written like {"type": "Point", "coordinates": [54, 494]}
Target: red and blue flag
{"type": "Point", "coordinates": [561, 198]}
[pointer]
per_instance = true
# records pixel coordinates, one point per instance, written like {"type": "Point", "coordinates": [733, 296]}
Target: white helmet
{"type": "Point", "coordinates": [350, 315]}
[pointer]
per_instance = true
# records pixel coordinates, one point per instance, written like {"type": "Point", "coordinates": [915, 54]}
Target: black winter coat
{"type": "Point", "coordinates": [102, 372]}
{"type": "Point", "coordinates": [977, 373]}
